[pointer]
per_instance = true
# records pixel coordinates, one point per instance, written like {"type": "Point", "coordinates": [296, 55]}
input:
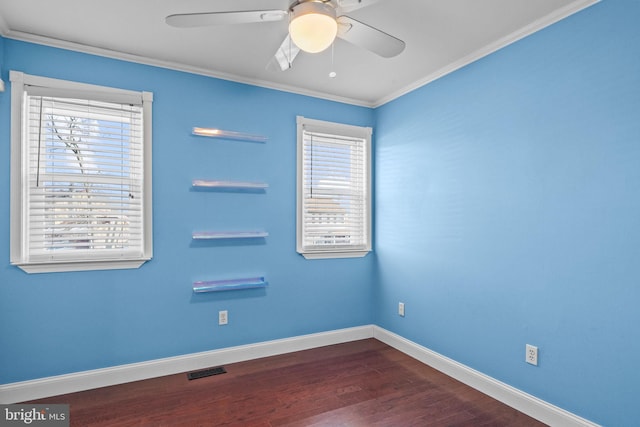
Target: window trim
{"type": "Point", "coordinates": [18, 254]}
{"type": "Point", "coordinates": [342, 130]}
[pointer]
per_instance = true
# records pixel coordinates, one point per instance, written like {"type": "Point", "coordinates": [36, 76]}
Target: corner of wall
{"type": "Point", "coordinates": [1, 57]}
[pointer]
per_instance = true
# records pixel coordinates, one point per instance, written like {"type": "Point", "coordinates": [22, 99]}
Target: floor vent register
{"type": "Point", "coordinates": [206, 373]}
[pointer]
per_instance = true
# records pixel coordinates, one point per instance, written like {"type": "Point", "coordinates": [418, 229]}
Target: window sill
{"type": "Point", "coordinates": [58, 267]}
{"type": "Point", "coordinates": [329, 255]}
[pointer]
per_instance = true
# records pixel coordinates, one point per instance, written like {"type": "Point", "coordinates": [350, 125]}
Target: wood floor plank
{"type": "Point", "coordinates": [360, 383]}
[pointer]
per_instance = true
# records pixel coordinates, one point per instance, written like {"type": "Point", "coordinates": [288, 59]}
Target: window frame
{"type": "Point", "coordinates": [19, 247]}
{"type": "Point", "coordinates": [344, 130]}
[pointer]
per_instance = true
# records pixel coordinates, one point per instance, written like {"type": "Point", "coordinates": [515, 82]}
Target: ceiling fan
{"type": "Point", "coordinates": [313, 26]}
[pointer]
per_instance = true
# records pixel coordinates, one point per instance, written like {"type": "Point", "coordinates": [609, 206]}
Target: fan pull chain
{"type": "Point", "coordinates": [332, 73]}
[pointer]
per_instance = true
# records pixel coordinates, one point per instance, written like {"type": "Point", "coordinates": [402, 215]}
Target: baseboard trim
{"type": "Point", "coordinates": [523, 402]}
{"type": "Point", "coordinates": [87, 380]}
{"type": "Point", "coordinates": [70, 383]}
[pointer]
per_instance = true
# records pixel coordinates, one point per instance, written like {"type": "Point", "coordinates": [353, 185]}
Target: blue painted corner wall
{"type": "Point", "coordinates": [59, 323]}
{"type": "Point", "coordinates": [507, 212]}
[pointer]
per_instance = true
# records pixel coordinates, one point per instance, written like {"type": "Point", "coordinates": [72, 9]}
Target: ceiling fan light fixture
{"type": "Point", "coordinates": [313, 26]}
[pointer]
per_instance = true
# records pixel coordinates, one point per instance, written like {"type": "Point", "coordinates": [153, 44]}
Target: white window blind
{"type": "Point", "coordinates": [84, 179]}
{"type": "Point", "coordinates": [334, 199]}
{"type": "Point", "coordinates": [84, 183]}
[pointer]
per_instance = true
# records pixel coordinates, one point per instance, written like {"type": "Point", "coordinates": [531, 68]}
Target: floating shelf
{"type": "Point", "coordinates": [227, 134]}
{"type": "Point", "coordinates": [214, 235]}
{"type": "Point", "coordinates": [229, 185]}
{"type": "Point", "coordinates": [228, 285]}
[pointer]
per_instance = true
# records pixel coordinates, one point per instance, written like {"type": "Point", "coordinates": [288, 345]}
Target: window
{"type": "Point", "coordinates": [80, 176]}
{"type": "Point", "coordinates": [334, 190]}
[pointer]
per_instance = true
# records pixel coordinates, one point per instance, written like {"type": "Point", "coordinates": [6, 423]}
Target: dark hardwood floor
{"type": "Point", "coordinates": [361, 383]}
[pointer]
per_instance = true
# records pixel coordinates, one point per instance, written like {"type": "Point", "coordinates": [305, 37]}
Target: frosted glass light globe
{"type": "Point", "coordinates": [313, 27]}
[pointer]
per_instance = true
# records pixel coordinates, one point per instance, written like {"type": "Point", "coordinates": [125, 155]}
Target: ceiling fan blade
{"type": "Point", "coordinates": [283, 59]}
{"type": "Point", "coordinates": [370, 38]}
{"type": "Point", "coordinates": [188, 20]}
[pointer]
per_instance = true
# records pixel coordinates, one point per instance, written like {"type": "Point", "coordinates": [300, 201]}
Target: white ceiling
{"type": "Point", "coordinates": [440, 36]}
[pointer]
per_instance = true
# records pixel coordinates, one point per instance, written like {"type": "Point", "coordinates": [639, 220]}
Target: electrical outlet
{"type": "Point", "coordinates": [531, 354]}
{"type": "Point", "coordinates": [401, 309]}
{"type": "Point", "coordinates": [223, 317]}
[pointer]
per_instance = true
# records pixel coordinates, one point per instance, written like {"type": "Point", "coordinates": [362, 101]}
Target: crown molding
{"type": "Point", "coordinates": [4, 28]}
{"type": "Point", "coordinates": [143, 60]}
{"type": "Point", "coordinates": [521, 33]}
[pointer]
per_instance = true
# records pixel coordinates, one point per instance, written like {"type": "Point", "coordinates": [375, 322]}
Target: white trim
{"type": "Point", "coordinates": [539, 24]}
{"type": "Point", "coordinates": [138, 59]}
{"type": "Point", "coordinates": [70, 383]}
{"type": "Point", "coordinates": [346, 130]}
{"type": "Point", "coordinates": [147, 131]}
{"type": "Point", "coordinates": [315, 125]}
{"type": "Point", "coordinates": [22, 83]}
{"type": "Point", "coordinates": [4, 28]}
{"type": "Point", "coordinates": [521, 33]}
{"type": "Point", "coordinates": [59, 267]}
{"type": "Point", "coordinates": [331, 255]}
{"type": "Point", "coordinates": [15, 168]}
{"type": "Point", "coordinates": [49, 86]}
{"type": "Point", "coordinates": [523, 402]}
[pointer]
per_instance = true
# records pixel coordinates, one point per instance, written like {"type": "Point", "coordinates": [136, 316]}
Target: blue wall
{"type": "Point", "coordinates": [508, 212]}
{"type": "Point", "coordinates": [54, 324]}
